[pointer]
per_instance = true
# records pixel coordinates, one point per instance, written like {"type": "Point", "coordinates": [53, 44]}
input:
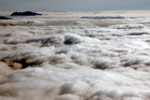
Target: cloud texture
{"type": "Point", "coordinates": [61, 56]}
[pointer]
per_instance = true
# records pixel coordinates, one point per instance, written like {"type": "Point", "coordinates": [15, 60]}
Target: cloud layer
{"type": "Point", "coordinates": [63, 56]}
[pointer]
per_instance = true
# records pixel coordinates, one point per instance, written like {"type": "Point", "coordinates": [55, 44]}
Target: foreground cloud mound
{"type": "Point", "coordinates": [61, 56]}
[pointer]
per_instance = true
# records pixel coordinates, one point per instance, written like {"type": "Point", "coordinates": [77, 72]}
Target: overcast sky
{"type": "Point", "coordinates": [73, 5]}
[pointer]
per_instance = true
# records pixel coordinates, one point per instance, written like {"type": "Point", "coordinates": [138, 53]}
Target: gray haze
{"type": "Point", "coordinates": [73, 5]}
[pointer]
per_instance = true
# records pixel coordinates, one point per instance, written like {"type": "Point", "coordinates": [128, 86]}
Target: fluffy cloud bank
{"type": "Point", "coordinates": [69, 58]}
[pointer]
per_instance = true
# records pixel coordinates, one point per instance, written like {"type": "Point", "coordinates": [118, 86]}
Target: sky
{"type": "Point", "coordinates": [73, 5]}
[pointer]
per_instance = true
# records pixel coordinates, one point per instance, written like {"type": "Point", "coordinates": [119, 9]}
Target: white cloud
{"type": "Point", "coordinates": [60, 56]}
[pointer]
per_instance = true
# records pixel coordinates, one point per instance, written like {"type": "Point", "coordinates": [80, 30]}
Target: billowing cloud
{"type": "Point", "coordinates": [61, 56]}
